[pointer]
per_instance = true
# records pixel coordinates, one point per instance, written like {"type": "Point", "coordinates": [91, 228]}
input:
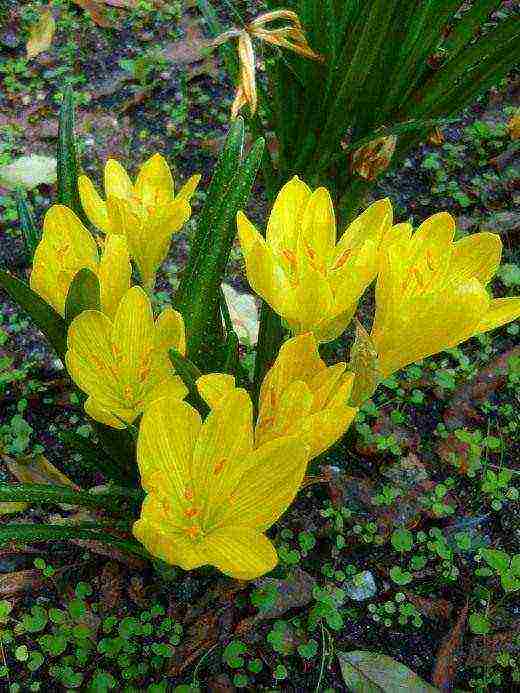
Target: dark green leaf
{"type": "Point", "coordinates": [44, 316]}
{"type": "Point", "coordinates": [83, 294]}
{"type": "Point", "coordinates": [30, 232]}
{"type": "Point", "coordinates": [67, 168]}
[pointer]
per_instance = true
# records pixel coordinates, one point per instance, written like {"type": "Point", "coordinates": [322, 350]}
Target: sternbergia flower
{"type": "Point", "coordinates": [67, 247]}
{"type": "Point", "coordinates": [123, 364]}
{"type": "Point", "coordinates": [299, 269]}
{"type": "Point", "coordinates": [431, 292]}
{"type": "Point", "coordinates": [210, 495]}
{"type": "Point", "coordinates": [147, 212]}
{"type": "Point", "coordinates": [291, 37]}
{"type": "Point", "coordinates": [299, 396]}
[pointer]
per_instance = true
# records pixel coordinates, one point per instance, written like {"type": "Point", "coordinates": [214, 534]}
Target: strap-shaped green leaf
{"type": "Point", "coordinates": [463, 71]}
{"type": "Point", "coordinates": [112, 500]}
{"type": "Point", "coordinates": [44, 316]}
{"type": "Point", "coordinates": [188, 372]}
{"type": "Point", "coordinates": [200, 302]}
{"type": "Point", "coordinates": [466, 28]}
{"type": "Point", "coordinates": [67, 159]}
{"type": "Point", "coordinates": [225, 170]}
{"type": "Point", "coordinates": [96, 458]}
{"type": "Point", "coordinates": [30, 232]}
{"type": "Point", "coordinates": [119, 446]}
{"type": "Point", "coordinates": [83, 294]}
{"type": "Point", "coordinates": [88, 531]}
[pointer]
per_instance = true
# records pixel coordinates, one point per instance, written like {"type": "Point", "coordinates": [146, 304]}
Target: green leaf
{"type": "Point", "coordinates": [67, 169]}
{"type": "Point", "coordinates": [371, 672]}
{"type": "Point", "coordinates": [47, 532]}
{"type": "Point", "coordinates": [188, 372]}
{"type": "Point", "coordinates": [110, 500]}
{"type": "Point", "coordinates": [83, 294]}
{"type": "Point", "coordinates": [44, 316]}
{"type": "Point", "coordinates": [499, 560]}
{"type": "Point", "coordinates": [30, 232]}
{"type": "Point", "coordinates": [479, 623]}
{"type": "Point", "coordinates": [399, 576]}
{"type": "Point", "coordinates": [199, 304]}
{"type": "Point", "coordinates": [509, 581]}
{"type": "Point", "coordinates": [402, 539]}
{"type": "Point", "coordinates": [469, 24]}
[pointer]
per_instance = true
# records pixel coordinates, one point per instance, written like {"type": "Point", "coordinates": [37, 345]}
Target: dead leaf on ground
{"type": "Point", "coordinates": [97, 12]}
{"type": "Point", "coordinates": [41, 35]}
{"type": "Point", "coordinates": [191, 52]}
{"type": "Point", "coordinates": [462, 407]}
{"type": "Point", "coordinates": [20, 581]}
{"type": "Point", "coordinates": [111, 551]}
{"type": "Point", "coordinates": [432, 608]}
{"type": "Point", "coordinates": [484, 649]}
{"type": "Point", "coordinates": [364, 672]}
{"type": "Point", "coordinates": [447, 662]}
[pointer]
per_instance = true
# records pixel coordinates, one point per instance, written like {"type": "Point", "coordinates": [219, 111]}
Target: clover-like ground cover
{"type": "Point", "coordinates": [405, 547]}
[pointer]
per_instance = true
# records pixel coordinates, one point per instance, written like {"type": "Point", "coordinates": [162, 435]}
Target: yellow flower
{"type": "Point", "coordinates": [65, 248]}
{"type": "Point", "coordinates": [431, 292]}
{"type": "Point", "coordinates": [147, 213]}
{"type": "Point", "coordinates": [210, 495]}
{"type": "Point", "coordinates": [299, 269]}
{"type": "Point", "coordinates": [299, 396]}
{"type": "Point", "coordinates": [123, 364]}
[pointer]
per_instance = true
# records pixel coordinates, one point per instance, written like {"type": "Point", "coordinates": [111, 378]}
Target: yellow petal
{"type": "Point", "coordinates": [398, 232]}
{"type": "Point", "coordinates": [349, 281]}
{"type": "Point", "coordinates": [318, 226]}
{"type": "Point", "coordinates": [265, 276]}
{"type": "Point", "coordinates": [321, 430]}
{"type": "Point", "coordinates": [312, 294]}
{"type": "Point", "coordinates": [99, 413]}
{"type": "Point", "coordinates": [298, 359]}
{"type": "Point", "coordinates": [165, 386]}
{"type": "Point", "coordinates": [155, 236]}
{"type": "Point", "coordinates": [89, 358]}
{"type": "Point", "coordinates": [95, 208]}
{"type": "Point", "coordinates": [323, 384]}
{"type": "Point", "coordinates": [167, 542]}
{"type": "Point", "coordinates": [265, 491]}
{"type": "Point", "coordinates": [221, 452]}
{"type": "Point", "coordinates": [117, 182]}
{"type": "Point", "coordinates": [330, 329]}
{"type": "Point", "coordinates": [167, 436]}
{"type": "Point", "coordinates": [500, 312]}
{"type": "Point", "coordinates": [286, 216]}
{"type": "Point", "coordinates": [294, 404]}
{"type": "Point", "coordinates": [65, 248]}
{"type": "Point", "coordinates": [187, 190]}
{"type": "Point", "coordinates": [114, 273]}
{"type": "Point", "coordinates": [372, 225]}
{"type": "Point", "coordinates": [154, 182]}
{"type": "Point", "coordinates": [133, 336]}
{"type": "Point", "coordinates": [431, 323]}
{"type": "Point", "coordinates": [439, 227]}
{"type": "Point", "coordinates": [240, 552]}
{"type": "Point", "coordinates": [477, 256]}
{"type": "Point", "coordinates": [170, 331]}
{"type": "Point", "coordinates": [213, 387]}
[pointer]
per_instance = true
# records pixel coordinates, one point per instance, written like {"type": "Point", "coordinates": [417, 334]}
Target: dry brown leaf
{"type": "Point", "coordinates": [20, 581]}
{"type": "Point", "coordinates": [97, 12]}
{"type": "Point", "coordinates": [41, 35]}
{"type": "Point", "coordinates": [124, 4]}
{"type": "Point", "coordinates": [37, 470]}
{"type": "Point", "coordinates": [446, 663]}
